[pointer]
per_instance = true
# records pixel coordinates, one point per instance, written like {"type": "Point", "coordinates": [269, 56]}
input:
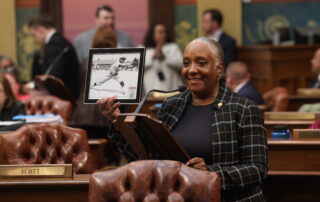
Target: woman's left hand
{"type": "Point", "coordinates": [197, 163]}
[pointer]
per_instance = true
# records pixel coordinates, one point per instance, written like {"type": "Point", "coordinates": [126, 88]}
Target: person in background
{"type": "Point", "coordinates": [16, 86]}
{"type": "Point", "coordinates": [6, 62]}
{"type": "Point", "coordinates": [222, 131]}
{"type": "Point", "coordinates": [315, 64]}
{"type": "Point", "coordinates": [7, 65]}
{"type": "Point", "coordinates": [104, 17]}
{"type": "Point", "coordinates": [238, 80]}
{"type": "Point", "coordinates": [66, 67]}
{"type": "Point", "coordinates": [9, 106]}
{"type": "Point", "coordinates": [163, 60]}
{"type": "Point", "coordinates": [212, 20]}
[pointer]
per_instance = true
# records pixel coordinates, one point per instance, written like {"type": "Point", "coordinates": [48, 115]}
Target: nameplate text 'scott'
{"type": "Point", "coordinates": [36, 171]}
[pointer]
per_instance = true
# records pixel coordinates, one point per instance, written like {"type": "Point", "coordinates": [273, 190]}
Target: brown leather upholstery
{"type": "Point", "coordinates": [276, 99]}
{"type": "Point", "coordinates": [43, 104]}
{"type": "Point", "coordinates": [154, 180]}
{"type": "Point", "coordinates": [47, 144]}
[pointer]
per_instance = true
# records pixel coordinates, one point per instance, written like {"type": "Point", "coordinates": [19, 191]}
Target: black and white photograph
{"type": "Point", "coordinates": [115, 72]}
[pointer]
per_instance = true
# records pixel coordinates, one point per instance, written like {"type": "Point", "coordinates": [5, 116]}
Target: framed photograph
{"type": "Point", "coordinates": [115, 71]}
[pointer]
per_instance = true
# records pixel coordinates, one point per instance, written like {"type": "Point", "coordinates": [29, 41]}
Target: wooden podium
{"type": "Point", "coordinates": [272, 66]}
{"type": "Point", "coordinates": [150, 138]}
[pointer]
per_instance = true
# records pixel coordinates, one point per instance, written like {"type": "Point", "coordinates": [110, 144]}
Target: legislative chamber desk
{"type": "Point", "coordinates": [294, 175]}
{"type": "Point", "coordinates": [45, 190]}
{"type": "Point", "coordinates": [294, 171]}
{"type": "Point", "coordinates": [296, 101]}
{"type": "Point", "coordinates": [272, 66]}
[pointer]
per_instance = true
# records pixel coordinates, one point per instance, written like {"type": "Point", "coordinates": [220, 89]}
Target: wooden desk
{"type": "Point", "coordinates": [296, 101]}
{"type": "Point", "coordinates": [294, 171]}
{"type": "Point", "coordinates": [292, 124]}
{"type": "Point", "coordinates": [271, 66]}
{"type": "Point", "coordinates": [97, 148]}
{"type": "Point", "coordinates": [294, 155]}
{"type": "Point", "coordinates": [292, 186]}
{"type": "Point", "coordinates": [46, 190]}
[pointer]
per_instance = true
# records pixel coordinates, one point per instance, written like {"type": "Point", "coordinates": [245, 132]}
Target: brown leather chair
{"type": "Point", "coordinates": [276, 100]}
{"type": "Point", "coordinates": [43, 104]}
{"type": "Point", "coordinates": [47, 144]}
{"type": "Point", "coordinates": [154, 180]}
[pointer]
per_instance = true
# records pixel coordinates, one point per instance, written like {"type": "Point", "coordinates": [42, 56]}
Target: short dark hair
{"type": "Point", "coordinates": [41, 20]}
{"type": "Point", "coordinates": [215, 15]}
{"type": "Point", "coordinates": [104, 8]}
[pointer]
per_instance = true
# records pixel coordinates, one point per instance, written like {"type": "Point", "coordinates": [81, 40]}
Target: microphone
{"type": "Point", "coordinates": [139, 107]}
{"type": "Point", "coordinates": [65, 49]}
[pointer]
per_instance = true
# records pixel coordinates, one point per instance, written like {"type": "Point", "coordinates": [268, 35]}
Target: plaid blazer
{"type": "Point", "coordinates": [238, 142]}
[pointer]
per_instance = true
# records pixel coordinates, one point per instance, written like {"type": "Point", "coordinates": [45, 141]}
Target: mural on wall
{"type": "Point", "coordinates": [185, 24]}
{"type": "Point", "coordinates": [26, 47]}
{"type": "Point", "coordinates": [262, 20]}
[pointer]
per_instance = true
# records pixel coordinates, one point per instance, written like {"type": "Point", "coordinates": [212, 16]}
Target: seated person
{"type": "Point", "coordinates": [6, 62]}
{"type": "Point", "coordinates": [221, 130]}
{"type": "Point", "coordinates": [16, 86]}
{"type": "Point", "coordinates": [7, 65]}
{"type": "Point", "coordinates": [238, 80]}
{"type": "Point", "coordinates": [9, 106]}
{"type": "Point", "coordinates": [315, 64]}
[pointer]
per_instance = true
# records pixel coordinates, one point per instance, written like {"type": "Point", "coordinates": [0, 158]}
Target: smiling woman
{"type": "Point", "coordinates": [202, 68]}
{"type": "Point", "coordinates": [222, 131]}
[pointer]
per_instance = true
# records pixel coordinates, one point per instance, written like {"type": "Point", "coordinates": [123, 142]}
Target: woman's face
{"type": "Point", "coordinates": [159, 34]}
{"type": "Point", "coordinates": [3, 96]}
{"type": "Point", "coordinates": [200, 70]}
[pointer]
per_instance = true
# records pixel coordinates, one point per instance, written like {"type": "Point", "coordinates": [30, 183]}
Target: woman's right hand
{"type": "Point", "coordinates": [108, 108]}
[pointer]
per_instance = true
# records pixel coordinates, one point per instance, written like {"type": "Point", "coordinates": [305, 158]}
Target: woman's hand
{"type": "Point", "coordinates": [108, 108]}
{"type": "Point", "coordinates": [158, 52]}
{"type": "Point", "coordinates": [197, 163]}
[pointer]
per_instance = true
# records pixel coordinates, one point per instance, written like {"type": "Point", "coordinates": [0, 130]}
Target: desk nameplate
{"type": "Point", "coordinates": [290, 116]}
{"type": "Point", "coordinates": [308, 91]}
{"type": "Point", "coordinates": [306, 134]}
{"type": "Point", "coordinates": [36, 171]}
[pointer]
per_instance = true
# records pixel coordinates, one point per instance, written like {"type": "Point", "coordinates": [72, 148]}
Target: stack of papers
{"type": "Point", "coordinates": [42, 118]}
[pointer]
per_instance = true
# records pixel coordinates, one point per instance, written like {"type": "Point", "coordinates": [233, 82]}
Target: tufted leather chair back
{"type": "Point", "coordinates": [47, 144]}
{"type": "Point", "coordinates": [154, 180]}
{"type": "Point", "coordinates": [277, 99]}
{"type": "Point", "coordinates": [44, 104]}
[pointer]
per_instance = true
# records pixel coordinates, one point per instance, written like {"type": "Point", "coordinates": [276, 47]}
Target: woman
{"type": "Point", "coordinates": [222, 131]}
{"type": "Point", "coordinates": [162, 61]}
{"type": "Point", "coordinates": [9, 106]}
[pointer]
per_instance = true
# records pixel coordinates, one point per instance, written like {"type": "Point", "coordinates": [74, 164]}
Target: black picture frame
{"type": "Point", "coordinates": [121, 68]}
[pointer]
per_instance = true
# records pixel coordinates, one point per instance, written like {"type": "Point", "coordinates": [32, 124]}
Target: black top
{"type": "Point", "coordinates": [193, 132]}
{"type": "Point", "coordinates": [17, 108]}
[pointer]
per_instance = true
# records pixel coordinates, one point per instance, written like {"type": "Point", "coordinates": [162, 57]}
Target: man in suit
{"type": "Point", "coordinates": [315, 63]}
{"type": "Point", "coordinates": [59, 58]}
{"type": "Point", "coordinates": [211, 22]}
{"type": "Point", "coordinates": [104, 17]}
{"type": "Point", "coordinates": [238, 80]}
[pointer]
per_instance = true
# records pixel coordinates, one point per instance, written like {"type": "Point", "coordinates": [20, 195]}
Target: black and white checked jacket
{"type": "Point", "coordinates": [238, 142]}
